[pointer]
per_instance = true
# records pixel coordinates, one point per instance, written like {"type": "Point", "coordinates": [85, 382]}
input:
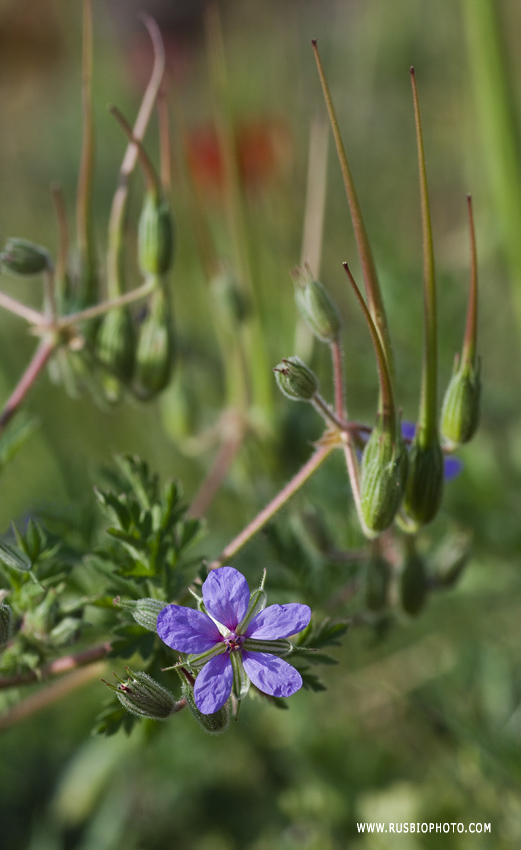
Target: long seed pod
{"type": "Point", "coordinates": [384, 461]}
{"type": "Point", "coordinates": [425, 481]}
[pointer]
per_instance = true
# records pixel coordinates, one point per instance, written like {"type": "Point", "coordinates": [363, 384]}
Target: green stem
{"type": "Point", "coordinates": [84, 218]}
{"type": "Point", "coordinates": [471, 328]}
{"type": "Point", "coordinates": [119, 204]}
{"type": "Point", "coordinates": [386, 388]}
{"type": "Point", "coordinates": [498, 130]}
{"type": "Point", "coordinates": [105, 306]}
{"type": "Point", "coordinates": [254, 343]}
{"type": "Point", "coordinates": [151, 176]}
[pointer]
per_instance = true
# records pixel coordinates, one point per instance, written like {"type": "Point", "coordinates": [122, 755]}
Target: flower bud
{"type": "Point", "coordinates": [115, 347]}
{"type": "Point", "coordinates": [424, 489]}
{"type": "Point", "coordinates": [155, 348]}
{"type": "Point", "coordinates": [145, 611]}
{"type": "Point", "coordinates": [460, 410]}
{"type": "Point", "coordinates": [143, 696]}
{"type": "Point", "coordinates": [6, 623]}
{"type": "Point", "coordinates": [413, 582]}
{"type": "Point", "coordinates": [296, 380]}
{"type": "Point", "coordinates": [230, 302]}
{"type": "Point", "coordinates": [24, 258]}
{"type": "Point", "coordinates": [377, 580]}
{"type": "Point", "coordinates": [316, 307]}
{"type": "Point", "coordinates": [215, 723]}
{"type": "Point", "coordinates": [451, 559]}
{"type": "Point", "coordinates": [383, 478]}
{"type": "Point", "coordinates": [155, 236]}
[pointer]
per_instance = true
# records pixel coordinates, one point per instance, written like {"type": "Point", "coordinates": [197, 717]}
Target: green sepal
{"type": "Point", "coordinates": [198, 661]}
{"type": "Point", "coordinates": [279, 647]}
{"type": "Point", "coordinates": [241, 683]}
{"type": "Point", "coordinates": [257, 603]}
{"type": "Point", "coordinates": [461, 404]}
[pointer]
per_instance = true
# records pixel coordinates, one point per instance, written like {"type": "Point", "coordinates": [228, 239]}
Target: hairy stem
{"type": "Point", "coordinates": [57, 667]}
{"type": "Point", "coordinates": [278, 502]}
{"type": "Point", "coordinates": [37, 363]}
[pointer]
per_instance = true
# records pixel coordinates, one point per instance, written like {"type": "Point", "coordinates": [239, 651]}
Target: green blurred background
{"type": "Point", "coordinates": [424, 725]}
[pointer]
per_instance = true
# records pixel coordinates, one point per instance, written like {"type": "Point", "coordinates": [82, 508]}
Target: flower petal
{"type": "Point", "coordinates": [187, 630]}
{"type": "Point", "coordinates": [452, 467]}
{"type": "Point", "coordinates": [213, 685]}
{"type": "Point", "coordinates": [271, 675]}
{"type": "Point", "coordinates": [226, 596]}
{"type": "Point", "coordinates": [279, 621]}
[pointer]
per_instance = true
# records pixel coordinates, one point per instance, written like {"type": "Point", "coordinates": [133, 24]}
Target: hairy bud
{"type": "Point", "coordinates": [316, 307]}
{"type": "Point", "coordinates": [155, 236]}
{"type": "Point", "coordinates": [296, 380]}
{"type": "Point", "coordinates": [413, 582]}
{"type": "Point", "coordinates": [377, 581]}
{"type": "Point", "coordinates": [155, 348]}
{"type": "Point", "coordinates": [214, 724]}
{"type": "Point", "coordinates": [143, 696]}
{"type": "Point", "coordinates": [460, 410]}
{"type": "Point", "coordinates": [145, 611]}
{"type": "Point", "coordinates": [24, 258]}
{"type": "Point", "coordinates": [383, 478]}
{"type": "Point", "coordinates": [115, 348]}
{"type": "Point", "coordinates": [424, 490]}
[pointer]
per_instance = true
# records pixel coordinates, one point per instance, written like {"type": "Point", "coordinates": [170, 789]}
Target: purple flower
{"type": "Point", "coordinates": [237, 641]}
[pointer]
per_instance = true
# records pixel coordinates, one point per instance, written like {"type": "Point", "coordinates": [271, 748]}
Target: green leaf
{"type": "Point", "coordinates": [13, 557]}
{"type": "Point", "coordinates": [15, 436]}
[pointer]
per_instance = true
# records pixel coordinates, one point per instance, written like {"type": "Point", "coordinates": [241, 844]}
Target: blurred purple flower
{"type": "Point", "coordinates": [226, 629]}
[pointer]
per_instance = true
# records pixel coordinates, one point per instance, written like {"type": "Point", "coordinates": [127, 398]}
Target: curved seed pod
{"type": "Point", "coordinates": [24, 259]}
{"type": "Point", "coordinates": [116, 348]}
{"type": "Point", "coordinates": [460, 410]}
{"type": "Point", "coordinates": [316, 307]}
{"type": "Point", "coordinates": [424, 490]}
{"type": "Point", "coordinates": [296, 380]}
{"type": "Point", "coordinates": [383, 479]}
{"type": "Point", "coordinates": [155, 349]}
{"type": "Point", "coordinates": [155, 236]}
{"type": "Point", "coordinates": [413, 580]}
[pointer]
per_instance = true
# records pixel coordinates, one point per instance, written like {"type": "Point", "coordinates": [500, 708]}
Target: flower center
{"type": "Point", "coordinates": [233, 642]}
